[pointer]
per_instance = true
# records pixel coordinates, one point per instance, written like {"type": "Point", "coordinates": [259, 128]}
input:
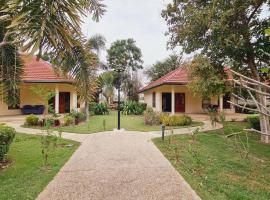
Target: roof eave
{"type": "Point", "coordinates": [167, 83]}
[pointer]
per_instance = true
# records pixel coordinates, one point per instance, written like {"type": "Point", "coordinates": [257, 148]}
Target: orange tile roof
{"type": "Point", "coordinates": [177, 77]}
{"type": "Point", "coordinates": [40, 71]}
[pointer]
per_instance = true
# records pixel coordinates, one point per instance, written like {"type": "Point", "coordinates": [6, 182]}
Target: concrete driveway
{"type": "Point", "coordinates": [118, 166]}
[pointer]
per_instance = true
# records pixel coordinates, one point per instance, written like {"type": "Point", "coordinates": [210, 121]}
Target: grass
{"type": "Point", "coordinates": [26, 178]}
{"type": "Point", "coordinates": [128, 122]}
{"type": "Point", "coordinates": [215, 166]}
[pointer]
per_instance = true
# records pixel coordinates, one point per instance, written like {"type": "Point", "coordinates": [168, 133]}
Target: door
{"type": "Point", "coordinates": [166, 102]}
{"type": "Point", "coordinates": [180, 102]}
{"type": "Point", "coordinates": [64, 102]}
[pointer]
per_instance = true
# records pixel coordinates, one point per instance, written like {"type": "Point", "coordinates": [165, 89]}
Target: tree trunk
{"type": "Point", "coordinates": [264, 119]}
{"type": "Point", "coordinates": [87, 110]}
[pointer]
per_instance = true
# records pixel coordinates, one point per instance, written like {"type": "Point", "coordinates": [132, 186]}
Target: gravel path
{"type": "Point", "coordinates": [117, 166]}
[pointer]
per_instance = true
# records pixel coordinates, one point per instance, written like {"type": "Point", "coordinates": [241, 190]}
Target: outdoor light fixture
{"type": "Point", "coordinates": [119, 70]}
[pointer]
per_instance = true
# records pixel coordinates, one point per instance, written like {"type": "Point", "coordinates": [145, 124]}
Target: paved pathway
{"type": "Point", "coordinates": [117, 166]}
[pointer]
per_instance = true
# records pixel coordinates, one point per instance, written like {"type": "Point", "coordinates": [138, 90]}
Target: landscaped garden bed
{"type": "Point", "coordinates": [99, 123]}
{"type": "Point", "coordinates": [221, 167]}
{"type": "Point", "coordinates": [26, 177]}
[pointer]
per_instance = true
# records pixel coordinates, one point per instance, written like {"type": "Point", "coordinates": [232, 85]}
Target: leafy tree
{"type": "Point", "coordinates": [124, 55]}
{"type": "Point", "coordinates": [227, 32]}
{"type": "Point", "coordinates": [205, 84]}
{"type": "Point", "coordinates": [162, 68]}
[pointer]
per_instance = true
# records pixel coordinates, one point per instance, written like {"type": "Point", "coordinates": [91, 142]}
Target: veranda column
{"type": "Point", "coordinates": [159, 101]}
{"type": "Point", "coordinates": [221, 102]}
{"type": "Point", "coordinates": [56, 103]}
{"type": "Point", "coordinates": [173, 101]}
{"type": "Point", "coordinates": [74, 101]}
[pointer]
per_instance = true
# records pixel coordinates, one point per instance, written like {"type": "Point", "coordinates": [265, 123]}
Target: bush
{"type": "Point", "coordinates": [133, 108]}
{"type": "Point", "coordinates": [99, 108]}
{"type": "Point", "coordinates": [68, 120]}
{"type": "Point", "coordinates": [7, 134]}
{"type": "Point", "coordinates": [175, 120]}
{"type": "Point", "coordinates": [32, 120]}
{"type": "Point", "coordinates": [254, 122]}
{"type": "Point", "coordinates": [77, 115]}
{"type": "Point", "coordinates": [151, 117]}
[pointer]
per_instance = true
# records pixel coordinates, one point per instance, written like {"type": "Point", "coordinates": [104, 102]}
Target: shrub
{"type": "Point", "coordinates": [32, 120]}
{"type": "Point", "coordinates": [7, 134]}
{"type": "Point", "coordinates": [254, 122]}
{"type": "Point", "coordinates": [100, 108]}
{"type": "Point", "coordinates": [80, 116]}
{"type": "Point", "coordinates": [133, 108]}
{"type": "Point", "coordinates": [175, 120]}
{"type": "Point", "coordinates": [151, 117]}
{"type": "Point", "coordinates": [68, 120]}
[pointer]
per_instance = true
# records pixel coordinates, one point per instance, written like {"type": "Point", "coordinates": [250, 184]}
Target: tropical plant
{"type": "Point", "coordinates": [38, 27]}
{"type": "Point", "coordinates": [7, 135]}
{"type": "Point", "coordinates": [100, 109]}
{"type": "Point", "coordinates": [81, 65]}
{"type": "Point", "coordinates": [96, 43]}
{"type": "Point", "coordinates": [131, 87]}
{"type": "Point", "coordinates": [175, 120]}
{"type": "Point", "coordinates": [133, 108]}
{"type": "Point", "coordinates": [105, 83]}
{"type": "Point", "coordinates": [163, 67]}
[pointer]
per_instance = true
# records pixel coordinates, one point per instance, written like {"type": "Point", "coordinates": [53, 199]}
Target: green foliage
{"type": "Point", "coordinates": [32, 120]}
{"type": "Point", "coordinates": [254, 122]}
{"type": "Point", "coordinates": [105, 85]}
{"type": "Point", "coordinates": [205, 84]}
{"type": "Point", "coordinates": [133, 108]}
{"type": "Point", "coordinates": [68, 120]}
{"type": "Point", "coordinates": [77, 115]}
{"type": "Point", "coordinates": [124, 55]}
{"type": "Point", "coordinates": [6, 137]}
{"type": "Point", "coordinates": [43, 24]}
{"type": "Point", "coordinates": [151, 117]}
{"type": "Point", "coordinates": [175, 120]}
{"type": "Point", "coordinates": [227, 32]}
{"type": "Point", "coordinates": [99, 108]}
{"type": "Point", "coordinates": [131, 87]}
{"type": "Point", "coordinates": [162, 68]}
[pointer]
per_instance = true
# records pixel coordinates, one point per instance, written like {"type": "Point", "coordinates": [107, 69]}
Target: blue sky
{"type": "Point", "coordinates": [137, 19]}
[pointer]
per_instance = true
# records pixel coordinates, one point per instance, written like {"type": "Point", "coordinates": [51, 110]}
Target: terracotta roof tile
{"type": "Point", "coordinates": [40, 71]}
{"type": "Point", "coordinates": [178, 77]}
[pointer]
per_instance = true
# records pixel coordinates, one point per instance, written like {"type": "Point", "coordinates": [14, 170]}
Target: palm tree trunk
{"type": "Point", "coordinates": [87, 110]}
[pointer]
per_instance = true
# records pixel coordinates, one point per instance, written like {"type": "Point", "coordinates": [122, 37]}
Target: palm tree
{"type": "Point", "coordinates": [81, 65]}
{"type": "Point", "coordinates": [39, 26]}
{"type": "Point", "coordinates": [105, 82]}
{"type": "Point", "coordinates": [96, 43]}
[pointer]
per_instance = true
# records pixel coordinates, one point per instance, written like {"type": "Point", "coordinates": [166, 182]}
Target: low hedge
{"type": "Point", "coordinates": [175, 120]}
{"type": "Point", "coordinates": [32, 120]}
{"type": "Point", "coordinates": [7, 135]}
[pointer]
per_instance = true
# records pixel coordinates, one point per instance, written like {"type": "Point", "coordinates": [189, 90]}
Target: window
{"type": "Point", "coordinates": [154, 100]}
{"type": "Point", "coordinates": [14, 100]}
{"type": "Point", "coordinates": [206, 102]}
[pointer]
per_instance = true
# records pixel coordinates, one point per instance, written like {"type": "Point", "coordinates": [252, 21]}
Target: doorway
{"type": "Point", "coordinates": [64, 102]}
{"type": "Point", "coordinates": [180, 105]}
{"type": "Point", "coordinates": [166, 102]}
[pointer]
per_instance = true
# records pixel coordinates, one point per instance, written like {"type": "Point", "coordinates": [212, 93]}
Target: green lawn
{"type": "Point", "coordinates": [25, 178]}
{"type": "Point", "coordinates": [128, 122]}
{"type": "Point", "coordinates": [215, 166]}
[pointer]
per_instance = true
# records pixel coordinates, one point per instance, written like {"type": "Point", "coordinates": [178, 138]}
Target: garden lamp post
{"type": "Point", "coordinates": [119, 70]}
